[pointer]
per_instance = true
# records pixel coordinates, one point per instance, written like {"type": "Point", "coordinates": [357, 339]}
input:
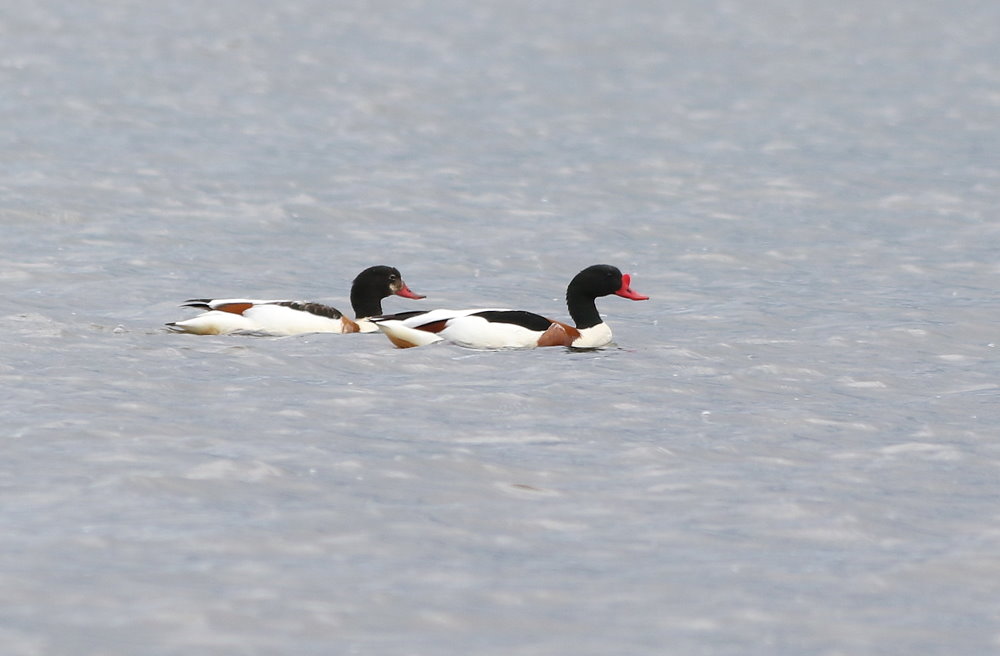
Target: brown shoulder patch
{"type": "Point", "coordinates": [434, 326]}
{"type": "Point", "coordinates": [570, 330]}
{"type": "Point", "coordinates": [234, 308]}
{"type": "Point", "coordinates": [558, 334]}
{"type": "Point", "coordinates": [350, 326]}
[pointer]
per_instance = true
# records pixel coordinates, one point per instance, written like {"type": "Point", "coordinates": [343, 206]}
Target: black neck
{"type": "Point", "coordinates": [366, 302]}
{"type": "Point", "coordinates": [583, 309]}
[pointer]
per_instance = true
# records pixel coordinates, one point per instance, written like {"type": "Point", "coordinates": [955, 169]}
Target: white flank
{"type": "Point", "coordinates": [407, 330]}
{"type": "Point", "coordinates": [263, 318]}
{"type": "Point", "coordinates": [283, 320]}
{"type": "Point", "coordinates": [478, 333]}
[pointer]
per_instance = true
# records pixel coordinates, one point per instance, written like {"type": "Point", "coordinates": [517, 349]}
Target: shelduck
{"type": "Point", "coordinates": [278, 317]}
{"type": "Point", "coordinates": [511, 329]}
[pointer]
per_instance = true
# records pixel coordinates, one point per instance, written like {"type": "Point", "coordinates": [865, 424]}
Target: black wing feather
{"type": "Point", "coordinates": [529, 320]}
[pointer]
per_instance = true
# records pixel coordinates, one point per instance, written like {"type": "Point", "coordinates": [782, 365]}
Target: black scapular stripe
{"type": "Point", "coordinates": [313, 308]}
{"type": "Point", "coordinates": [529, 320]}
{"type": "Point", "coordinates": [399, 316]}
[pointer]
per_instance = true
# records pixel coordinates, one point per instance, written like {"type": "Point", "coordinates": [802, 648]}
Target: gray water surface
{"type": "Point", "coordinates": [791, 449]}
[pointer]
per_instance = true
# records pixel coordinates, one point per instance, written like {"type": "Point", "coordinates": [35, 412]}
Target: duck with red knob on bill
{"type": "Point", "coordinates": [511, 329]}
{"type": "Point", "coordinates": [240, 315]}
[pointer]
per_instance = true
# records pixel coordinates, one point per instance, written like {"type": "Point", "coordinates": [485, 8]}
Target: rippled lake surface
{"type": "Point", "coordinates": [791, 449]}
